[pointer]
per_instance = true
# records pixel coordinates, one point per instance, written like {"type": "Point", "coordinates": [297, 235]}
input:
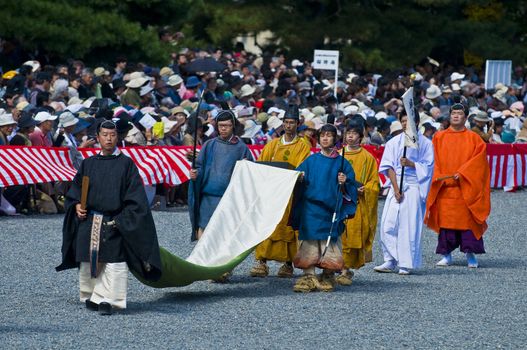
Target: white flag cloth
{"type": "Point", "coordinates": [248, 213]}
{"type": "Point", "coordinates": [411, 128]}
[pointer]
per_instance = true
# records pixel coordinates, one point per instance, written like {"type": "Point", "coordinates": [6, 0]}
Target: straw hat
{"type": "Point", "coordinates": [247, 90]}
{"type": "Point", "coordinates": [67, 119]}
{"type": "Point", "coordinates": [396, 126]}
{"type": "Point", "coordinates": [6, 118]}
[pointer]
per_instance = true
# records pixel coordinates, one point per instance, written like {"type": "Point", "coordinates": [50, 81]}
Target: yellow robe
{"type": "Point", "coordinates": [357, 239]}
{"type": "Point", "coordinates": [282, 244]}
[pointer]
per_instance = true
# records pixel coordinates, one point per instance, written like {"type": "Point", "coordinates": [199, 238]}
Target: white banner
{"type": "Point", "coordinates": [411, 128]}
{"type": "Point", "coordinates": [248, 213]}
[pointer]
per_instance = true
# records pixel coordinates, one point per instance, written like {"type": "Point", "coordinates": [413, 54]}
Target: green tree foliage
{"type": "Point", "coordinates": [376, 34]}
{"type": "Point", "coordinates": [371, 34]}
{"type": "Point", "coordinates": [94, 30]}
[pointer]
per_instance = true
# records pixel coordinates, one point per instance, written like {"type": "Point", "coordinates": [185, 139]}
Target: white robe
{"type": "Point", "coordinates": [402, 223]}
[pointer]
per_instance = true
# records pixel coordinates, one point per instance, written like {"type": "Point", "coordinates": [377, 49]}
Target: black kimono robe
{"type": "Point", "coordinates": [117, 192]}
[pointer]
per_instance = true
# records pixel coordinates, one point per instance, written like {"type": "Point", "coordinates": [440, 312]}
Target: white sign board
{"type": "Point", "coordinates": [147, 121]}
{"type": "Point", "coordinates": [326, 59]}
{"type": "Point", "coordinates": [497, 72]}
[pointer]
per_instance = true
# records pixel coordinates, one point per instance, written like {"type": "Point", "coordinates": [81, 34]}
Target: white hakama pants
{"type": "Point", "coordinates": [401, 227]}
{"type": "Point", "coordinates": [110, 286]}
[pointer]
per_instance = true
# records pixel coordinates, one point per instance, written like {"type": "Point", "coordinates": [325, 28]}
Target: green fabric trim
{"type": "Point", "coordinates": [177, 272]}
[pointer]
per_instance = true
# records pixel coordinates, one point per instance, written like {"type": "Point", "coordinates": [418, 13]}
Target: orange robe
{"type": "Point", "coordinates": [462, 204]}
{"type": "Point", "coordinates": [282, 244]}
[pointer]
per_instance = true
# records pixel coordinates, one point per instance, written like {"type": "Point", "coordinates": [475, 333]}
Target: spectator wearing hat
{"type": "Point", "coordinates": [446, 98]}
{"type": "Point", "coordinates": [498, 101]}
{"type": "Point", "coordinates": [81, 133]}
{"type": "Point", "coordinates": [26, 125]}
{"type": "Point", "coordinates": [131, 96]}
{"type": "Point", "coordinates": [118, 88]}
{"type": "Point", "coordinates": [275, 128]}
{"type": "Point", "coordinates": [309, 132]}
{"type": "Point", "coordinates": [455, 78]}
{"type": "Point", "coordinates": [41, 136]}
{"type": "Point", "coordinates": [513, 116]}
{"type": "Point", "coordinates": [145, 93]}
{"type": "Point", "coordinates": [433, 93]}
{"type": "Point", "coordinates": [483, 125]}
{"type": "Point", "coordinates": [165, 73]}
{"type": "Point", "coordinates": [103, 85]}
{"type": "Point", "coordinates": [246, 95]}
{"type": "Point", "coordinates": [175, 82]}
{"type": "Point", "coordinates": [64, 137]}
{"type": "Point", "coordinates": [7, 125]}
{"type": "Point", "coordinates": [192, 86]}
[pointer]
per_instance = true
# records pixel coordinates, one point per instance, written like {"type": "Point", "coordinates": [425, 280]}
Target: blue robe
{"type": "Point", "coordinates": [313, 211]}
{"type": "Point", "coordinates": [215, 165]}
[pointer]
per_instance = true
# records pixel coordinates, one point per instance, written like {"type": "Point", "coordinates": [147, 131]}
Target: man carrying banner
{"type": "Point", "coordinates": [357, 239]}
{"type": "Point", "coordinates": [282, 245]}
{"type": "Point", "coordinates": [329, 197]}
{"type": "Point", "coordinates": [459, 201]}
{"type": "Point", "coordinates": [213, 171]}
{"type": "Point", "coordinates": [108, 226]}
{"type": "Point", "coordinates": [408, 161]}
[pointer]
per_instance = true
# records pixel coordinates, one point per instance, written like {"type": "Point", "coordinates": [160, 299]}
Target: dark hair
{"type": "Point", "coordinates": [191, 121]}
{"type": "Point", "coordinates": [459, 107]}
{"type": "Point", "coordinates": [328, 128]}
{"type": "Point", "coordinates": [226, 115]}
{"type": "Point", "coordinates": [42, 96]}
{"type": "Point", "coordinates": [120, 59]}
{"type": "Point", "coordinates": [106, 124]}
{"type": "Point", "coordinates": [356, 127]}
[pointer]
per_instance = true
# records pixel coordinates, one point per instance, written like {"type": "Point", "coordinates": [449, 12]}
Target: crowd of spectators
{"type": "Point", "coordinates": [44, 105]}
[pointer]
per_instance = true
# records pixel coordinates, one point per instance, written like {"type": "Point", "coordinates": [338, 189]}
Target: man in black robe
{"type": "Point", "coordinates": [126, 236]}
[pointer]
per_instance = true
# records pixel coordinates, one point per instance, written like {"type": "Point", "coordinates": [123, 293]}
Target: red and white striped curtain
{"type": "Point", "coordinates": [20, 165]}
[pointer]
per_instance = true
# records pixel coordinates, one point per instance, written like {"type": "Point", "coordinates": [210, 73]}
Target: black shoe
{"type": "Point", "coordinates": [105, 308]}
{"type": "Point", "coordinates": [90, 305]}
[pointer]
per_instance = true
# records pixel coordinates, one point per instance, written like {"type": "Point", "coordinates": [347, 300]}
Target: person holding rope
{"type": "Point", "coordinates": [328, 198]}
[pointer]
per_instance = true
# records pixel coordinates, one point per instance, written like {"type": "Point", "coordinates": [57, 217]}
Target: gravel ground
{"type": "Point", "coordinates": [434, 308]}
